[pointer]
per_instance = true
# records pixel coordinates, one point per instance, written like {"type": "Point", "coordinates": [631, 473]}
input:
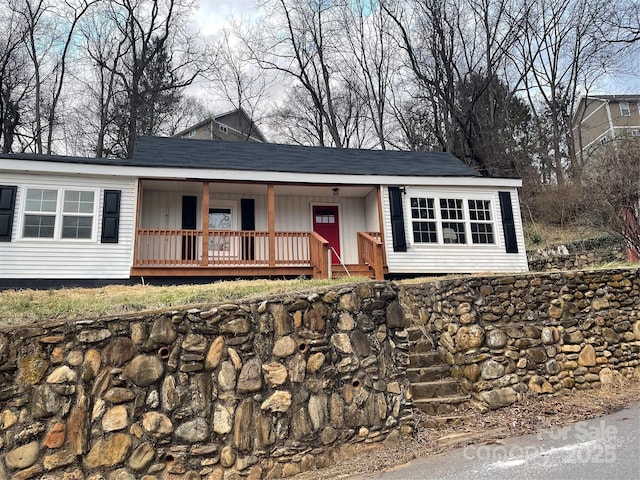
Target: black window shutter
{"type": "Point", "coordinates": [248, 213]}
{"type": "Point", "coordinates": [7, 207]}
{"type": "Point", "coordinates": [189, 212]}
{"type": "Point", "coordinates": [189, 222]}
{"type": "Point", "coordinates": [248, 222]}
{"type": "Point", "coordinates": [111, 216]}
{"type": "Point", "coordinates": [397, 220]}
{"type": "Point", "coordinates": [508, 224]}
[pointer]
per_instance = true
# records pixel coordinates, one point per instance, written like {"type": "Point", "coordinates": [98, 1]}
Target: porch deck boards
{"type": "Point", "coordinates": [221, 271]}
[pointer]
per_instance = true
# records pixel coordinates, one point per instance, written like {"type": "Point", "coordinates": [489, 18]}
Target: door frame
{"type": "Point", "coordinates": [330, 204]}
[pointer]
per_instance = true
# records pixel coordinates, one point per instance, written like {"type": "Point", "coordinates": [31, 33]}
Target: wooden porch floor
{"type": "Point", "coordinates": [337, 271]}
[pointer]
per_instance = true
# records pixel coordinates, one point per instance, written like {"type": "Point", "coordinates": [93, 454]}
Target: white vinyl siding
{"type": "Point", "coordinates": [439, 257]}
{"type": "Point", "coordinates": [62, 258]}
{"type": "Point", "coordinates": [372, 220]}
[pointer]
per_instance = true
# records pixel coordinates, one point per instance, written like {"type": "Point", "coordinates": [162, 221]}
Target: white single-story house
{"type": "Point", "coordinates": [197, 208]}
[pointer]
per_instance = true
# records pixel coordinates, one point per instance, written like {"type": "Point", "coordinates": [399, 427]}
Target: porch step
{"type": "Point", "coordinates": [356, 270]}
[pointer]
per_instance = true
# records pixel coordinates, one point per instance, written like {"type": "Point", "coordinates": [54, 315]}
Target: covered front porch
{"type": "Point", "coordinates": [229, 229]}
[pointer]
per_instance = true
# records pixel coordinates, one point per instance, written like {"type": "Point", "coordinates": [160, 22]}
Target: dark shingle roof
{"type": "Point", "coordinates": [166, 152]}
{"type": "Point", "coordinates": [271, 157]}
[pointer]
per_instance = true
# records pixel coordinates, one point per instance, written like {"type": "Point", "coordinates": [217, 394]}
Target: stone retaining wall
{"type": "Point", "coordinates": [577, 255]}
{"type": "Point", "coordinates": [509, 335]}
{"type": "Point", "coordinates": [259, 389]}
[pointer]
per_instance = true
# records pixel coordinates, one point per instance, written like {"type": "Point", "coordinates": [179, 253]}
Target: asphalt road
{"type": "Point", "coordinates": [603, 448]}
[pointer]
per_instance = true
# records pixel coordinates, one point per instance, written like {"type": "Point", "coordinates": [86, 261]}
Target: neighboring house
{"type": "Point", "coordinates": [235, 126]}
{"type": "Point", "coordinates": [601, 118]}
{"type": "Point", "coordinates": [196, 208]}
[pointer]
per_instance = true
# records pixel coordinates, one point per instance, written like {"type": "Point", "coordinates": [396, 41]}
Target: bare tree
{"type": "Point", "coordinates": [14, 75]}
{"type": "Point", "coordinates": [297, 121]}
{"type": "Point", "coordinates": [104, 52]}
{"type": "Point", "coordinates": [450, 44]}
{"type": "Point", "coordinates": [561, 52]}
{"type": "Point", "coordinates": [613, 186]}
{"type": "Point", "coordinates": [623, 26]}
{"type": "Point", "coordinates": [76, 12]}
{"type": "Point", "coordinates": [371, 61]}
{"type": "Point", "coordinates": [158, 57]}
{"type": "Point", "coordinates": [237, 81]}
{"type": "Point", "coordinates": [295, 39]}
{"type": "Point", "coordinates": [33, 13]}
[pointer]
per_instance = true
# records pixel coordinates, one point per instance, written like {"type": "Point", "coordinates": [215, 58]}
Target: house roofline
{"type": "Point", "coordinates": [106, 167]}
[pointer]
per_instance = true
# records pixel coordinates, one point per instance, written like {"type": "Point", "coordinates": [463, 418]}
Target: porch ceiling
{"type": "Point", "coordinates": [260, 189]}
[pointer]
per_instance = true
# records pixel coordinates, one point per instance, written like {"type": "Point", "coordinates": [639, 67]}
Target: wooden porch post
{"type": "Point", "coordinates": [136, 226]}
{"type": "Point", "coordinates": [380, 216]}
{"type": "Point", "coordinates": [205, 224]}
{"type": "Point", "coordinates": [381, 223]}
{"type": "Point", "coordinates": [271, 215]}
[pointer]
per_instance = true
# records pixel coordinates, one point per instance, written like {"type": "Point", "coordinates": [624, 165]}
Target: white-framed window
{"type": "Point", "coordinates": [455, 221]}
{"type": "Point", "coordinates": [625, 110]}
{"type": "Point", "coordinates": [40, 210]}
{"type": "Point", "coordinates": [452, 214]}
{"type": "Point", "coordinates": [192, 133]}
{"type": "Point", "coordinates": [481, 221]}
{"type": "Point", "coordinates": [77, 214]}
{"type": "Point", "coordinates": [59, 213]}
{"type": "Point", "coordinates": [224, 129]}
{"type": "Point", "coordinates": [423, 220]}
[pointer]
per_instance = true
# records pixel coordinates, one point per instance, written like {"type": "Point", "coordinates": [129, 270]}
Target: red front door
{"type": "Point", "coordinates": [325, 224]}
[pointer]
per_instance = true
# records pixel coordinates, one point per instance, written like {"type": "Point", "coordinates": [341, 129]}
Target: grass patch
{"type": "Point", "coordinates": [23, 306]}
{"type": "Point", "coordinates": [540, 235]}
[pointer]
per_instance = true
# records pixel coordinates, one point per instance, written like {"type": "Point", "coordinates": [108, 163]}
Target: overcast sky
{"type": "Point", "coordinates": [214, 14]}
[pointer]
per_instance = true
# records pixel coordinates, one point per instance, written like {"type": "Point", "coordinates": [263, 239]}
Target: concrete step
{"type": "Point", "coordinates": [434, 388]}
{"type": "Point", "coordinates": [441, 405]}
{"type": "Point", "coordinates": [428, 374]}
{"type": "Point", "coordinates": [424, 359]}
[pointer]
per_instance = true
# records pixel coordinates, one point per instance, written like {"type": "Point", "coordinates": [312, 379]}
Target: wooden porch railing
{"type": "Point", "coordinates": [159, 247]}
{"type": "Point", "coordinates": [371, 252]}
{"type": "Point", "coordinates": [320, 256]}
{"type": "Point", "coordinates": [231, 248]}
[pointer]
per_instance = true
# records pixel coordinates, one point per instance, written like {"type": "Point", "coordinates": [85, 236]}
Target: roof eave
{"type": "Point", "coordinates": [240, 176]}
